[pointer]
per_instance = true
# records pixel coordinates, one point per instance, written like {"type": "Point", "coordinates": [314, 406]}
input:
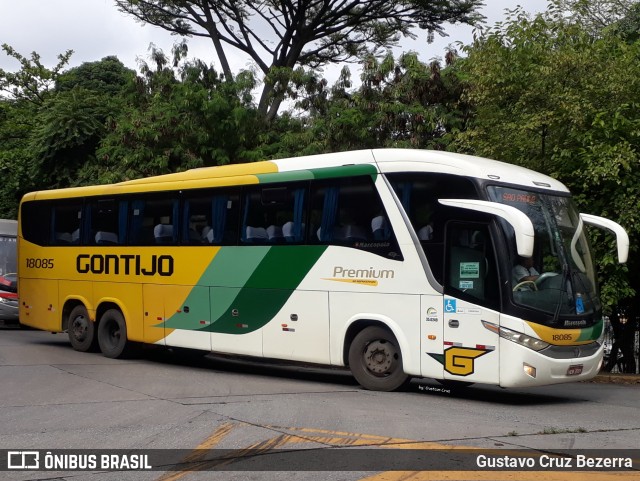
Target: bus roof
{"type": "Point", "coordinates": [321, 165]}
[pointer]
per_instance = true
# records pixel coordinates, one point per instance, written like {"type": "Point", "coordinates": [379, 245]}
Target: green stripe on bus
{"type": "Point", "coordinates": [248, 289]}
{"type": "Point", "coordinates": [592, 333]}
{"type": "Point", "coordinates": [285, 176]}
{"type": "Point", "coordinates": [282, 269]}
{"type": "Point", "coordinates": [345, 171]}
{"type": "Point", "coordinates": [323, 173]}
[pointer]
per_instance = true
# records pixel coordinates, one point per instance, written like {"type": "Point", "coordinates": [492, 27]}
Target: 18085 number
{"type": "Point", "coordinates": [34, 263]}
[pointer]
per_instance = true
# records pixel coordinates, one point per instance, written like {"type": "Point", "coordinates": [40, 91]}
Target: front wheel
{"type": "Point", "coordinates": [81, 330]}
{"type": "Point", "coordinates": [376, 361]}
{"type": "Point", "coordinates": [112, 335]}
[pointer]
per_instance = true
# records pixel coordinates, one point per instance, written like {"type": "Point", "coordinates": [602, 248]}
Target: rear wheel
{"type": "Point", "coordinates": [81, 330]}
{"type": "Point", "coordinates": [376, 361]}
{"type": "Point", "coordinates": [112, 334]}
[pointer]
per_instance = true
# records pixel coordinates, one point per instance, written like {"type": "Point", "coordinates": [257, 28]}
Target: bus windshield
{"type": "Point", "coordinates": [560, 277]}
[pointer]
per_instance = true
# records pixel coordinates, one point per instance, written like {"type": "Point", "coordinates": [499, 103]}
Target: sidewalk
{"type": "Point", "coordinates": [607, 377]}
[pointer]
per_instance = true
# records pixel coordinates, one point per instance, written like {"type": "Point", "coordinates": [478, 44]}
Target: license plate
{"type": "Point", "coordinates": [574, 370]}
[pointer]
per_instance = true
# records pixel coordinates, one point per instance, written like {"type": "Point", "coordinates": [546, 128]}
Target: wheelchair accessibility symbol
{"type": "Point", "coordinates": [449, 305]}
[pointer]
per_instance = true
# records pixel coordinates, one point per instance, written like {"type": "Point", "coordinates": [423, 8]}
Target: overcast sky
{"type": "Point", "coordinates": [94, 29]}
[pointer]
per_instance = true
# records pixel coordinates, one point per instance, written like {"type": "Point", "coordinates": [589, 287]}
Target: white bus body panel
{"type": "Point", "coordinates": [300, 331]}
{"type": "Point", "coordinates": [431, 336]}
{"type": "Point", "coordinates": [552, 371]}
{"type": "Point", "coordinates": [400, 313]}
{"type": "Point", "coordinates": [471, 352]}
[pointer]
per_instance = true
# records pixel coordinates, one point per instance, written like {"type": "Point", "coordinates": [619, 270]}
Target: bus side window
{"type": "Point", "coordinates": [66, 223]}
{"type": "Point", "coordinates": [274, 214]}
{"type": "Point", "coordinates": [196, 228]}
{"type": "Point", "coordinates": [106, 218]}
{"type": "Point", "coordinates": [211, 218]}
{"type": "Point", "coordinates": [35, 218]}
{"type": "Point", "coordinates": [349, 212]}
{"type": "Point", "coordinates": [153, 221]}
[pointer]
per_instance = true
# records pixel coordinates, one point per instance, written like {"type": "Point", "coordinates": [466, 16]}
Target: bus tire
{"type": "Point", "coordinates": [375, 360]}
{"type": "Point", "coordinates": [112, 334]}
{"type": "Point", "coordinates": [81, 330]}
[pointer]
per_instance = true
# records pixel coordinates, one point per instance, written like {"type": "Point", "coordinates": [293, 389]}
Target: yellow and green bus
{"type": "Point", "coordinates": [396, 263]}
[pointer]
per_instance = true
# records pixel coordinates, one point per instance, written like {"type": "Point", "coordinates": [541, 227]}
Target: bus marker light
{"type": "Point", "coordinates": [431, 337]}
{"type": "Point", "coordinates": [529, 370]}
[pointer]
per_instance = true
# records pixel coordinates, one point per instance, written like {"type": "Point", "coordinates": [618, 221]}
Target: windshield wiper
{"type": "Point", "coordinates": [563, 290]}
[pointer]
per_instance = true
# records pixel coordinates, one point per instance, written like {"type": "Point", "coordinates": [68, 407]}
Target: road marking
{"type": "Point", "coordinates": [503, 476]}
{"type": "Point", "coordinates": [342, 438]}
{"type": "Point", "coordinates": [200, 451]}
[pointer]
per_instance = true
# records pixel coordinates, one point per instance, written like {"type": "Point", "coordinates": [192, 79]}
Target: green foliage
{"type": "Point", "coordinates": [595, 16]}
{"type": "Point", "coordinates": [107, 76]}
{"type": "Point", "coordinates": [628, 27]}
{"type": "Point", "coordinates": [25, 92]}
{"type": "Point", "coordinates": [400, 103]}
{"type": "Point", "coordinates": [549, 95]}
{"type": "Point", "coordinates": [178, 118]}
{"type": "Point", "coordinates": [70, 127]}
{"type": "Point", "coordinates": [33, 81]}
{"type": "Point", "coordinates": [16, 124]}
{"type": "Point", "coordinates": [279, 37]}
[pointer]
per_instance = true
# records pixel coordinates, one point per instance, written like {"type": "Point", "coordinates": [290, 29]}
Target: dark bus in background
{"type": "Point", "coordinates": [8, 269]}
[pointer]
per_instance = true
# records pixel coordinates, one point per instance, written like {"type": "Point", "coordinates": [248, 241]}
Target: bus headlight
{"type": "Point", "coordinates": [529, 370]}
{"type": "Point", "coordinates": [517, 337]}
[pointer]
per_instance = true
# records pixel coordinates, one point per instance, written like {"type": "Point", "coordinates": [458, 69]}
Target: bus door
{"type": "Point", "coordinates": [471, 297]}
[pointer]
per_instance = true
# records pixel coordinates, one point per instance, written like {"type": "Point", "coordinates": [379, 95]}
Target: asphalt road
{"type": "Point", "coordinates": [52, 398]}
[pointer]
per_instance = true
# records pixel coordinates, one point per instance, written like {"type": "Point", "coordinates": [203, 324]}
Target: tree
{"type": "Point", "coordinates": [282, 35]}
{"type": "Point", "coordinates": [72, 121]}
{"type": "Point", "coordinates": [178, 115]}
{"type": "Point", "coordinates": [16, 124]}
{"type": "Point", "coordinates": [108, 76]}
{"type": "Point", "coordinates": [52, 122]}
{"type": "Point", "coordinates": [69, 129]}
{"type": "Point", "coordinates": [596, 15]}
{"type": "Point", "coordinates": [25, 92]}
{"type": "Point", "coordinates": [400, 102]}
{"type": "Point", "coordinates": [33, 81]}
{"type": "Point", "coordinates": [549, 95]}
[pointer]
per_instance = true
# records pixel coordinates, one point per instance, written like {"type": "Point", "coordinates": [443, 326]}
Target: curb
{"type": "Point", "coordinates": [617, 378]}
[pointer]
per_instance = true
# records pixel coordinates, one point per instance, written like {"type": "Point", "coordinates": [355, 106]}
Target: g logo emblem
{"type": "Point", "coordinates": [460, 360]}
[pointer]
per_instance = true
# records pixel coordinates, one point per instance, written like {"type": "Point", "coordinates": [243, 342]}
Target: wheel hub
{"type": "Point", "coordinates": [79, 328]}
{"type": "Point", "coordinates": [379, 357]}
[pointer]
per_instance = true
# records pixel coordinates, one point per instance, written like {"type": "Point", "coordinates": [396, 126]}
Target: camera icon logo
{"type": "Point", "coordinates": [23, 460]}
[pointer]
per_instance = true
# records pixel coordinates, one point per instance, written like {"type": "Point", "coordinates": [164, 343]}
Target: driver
{"type": "Point", "coordinates": [524, 271]}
